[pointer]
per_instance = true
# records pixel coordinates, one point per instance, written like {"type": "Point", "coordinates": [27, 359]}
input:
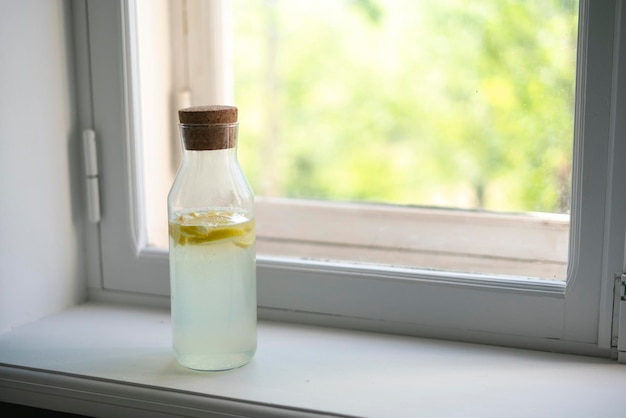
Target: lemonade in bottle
{"type": "Point", "coordinates": [212, 246]}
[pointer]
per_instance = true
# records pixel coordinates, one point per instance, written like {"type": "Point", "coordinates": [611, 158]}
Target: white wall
{"type": "Point", "coordinates": [41, 265]}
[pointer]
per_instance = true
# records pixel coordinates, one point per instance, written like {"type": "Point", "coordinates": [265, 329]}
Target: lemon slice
{"type": "Point", "coordinates": [195, 228]}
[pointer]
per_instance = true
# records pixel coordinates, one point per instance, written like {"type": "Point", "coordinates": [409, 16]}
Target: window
{"type": "Point", "coordinates": [572, 315]}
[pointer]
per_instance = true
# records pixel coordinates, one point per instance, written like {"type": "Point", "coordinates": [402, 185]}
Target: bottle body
{"type": "Point", "coordinates": [212, 261]}
{"type": "Point", "coordinates": [213, 288]}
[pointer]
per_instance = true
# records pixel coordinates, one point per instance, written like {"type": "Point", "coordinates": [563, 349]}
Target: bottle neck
{"type": "Point", "coordinates": [210, 148]}
{"type": "Point", "coordinates": [212, 160]}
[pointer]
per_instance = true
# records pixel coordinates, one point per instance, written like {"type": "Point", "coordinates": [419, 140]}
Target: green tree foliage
{"type": "Point", "coordinates": [447, 103]}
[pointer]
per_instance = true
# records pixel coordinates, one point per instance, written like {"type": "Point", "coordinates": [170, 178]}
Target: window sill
{"type": "Point", "coordinates": [106, 359]}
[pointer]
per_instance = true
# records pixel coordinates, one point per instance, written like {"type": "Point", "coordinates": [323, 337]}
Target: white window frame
{"type": "Point", "coordinates": [572, 316]}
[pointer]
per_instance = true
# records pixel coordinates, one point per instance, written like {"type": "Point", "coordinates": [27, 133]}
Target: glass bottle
{"type": "Point", "coordinates": [212, 245]}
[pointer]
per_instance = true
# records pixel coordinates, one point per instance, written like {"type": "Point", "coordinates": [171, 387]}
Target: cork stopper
{"type": "Point", "coordinates": [207, 115]}
{"type": "Point", "coordinates": [208, 127]}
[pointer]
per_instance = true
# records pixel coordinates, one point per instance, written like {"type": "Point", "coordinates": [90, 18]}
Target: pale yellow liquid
{"type": "Point", "coordinates": [213, 285]}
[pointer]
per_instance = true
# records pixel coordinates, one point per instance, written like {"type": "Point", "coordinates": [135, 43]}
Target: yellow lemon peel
{"type": "Point", "coordinates": [197, 228]}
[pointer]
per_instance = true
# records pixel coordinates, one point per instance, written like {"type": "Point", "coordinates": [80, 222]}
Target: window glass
{"type": "Point", "coordinates": [438, 134]}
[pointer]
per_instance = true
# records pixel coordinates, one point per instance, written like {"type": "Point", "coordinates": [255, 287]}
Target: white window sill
{"type": "Point", "coordinates": [104, 360]}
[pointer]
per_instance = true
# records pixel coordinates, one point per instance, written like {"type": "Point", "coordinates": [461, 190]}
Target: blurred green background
{"type": "Point", "coordinates": [433, 103]}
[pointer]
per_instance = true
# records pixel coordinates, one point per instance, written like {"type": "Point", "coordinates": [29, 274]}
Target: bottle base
{"type": "Point", "coordinates": [216, 362]}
